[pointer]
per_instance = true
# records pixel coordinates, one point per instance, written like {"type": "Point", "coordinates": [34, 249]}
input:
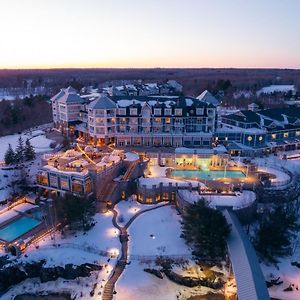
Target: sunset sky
{"type": "Point", "coordinates": [149, 33]}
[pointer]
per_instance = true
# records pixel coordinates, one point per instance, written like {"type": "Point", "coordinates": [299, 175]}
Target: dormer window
{"type": "Point", "coordinates": [157, 111]}
{"type": "Point", "coordinates": [199, 111]}
{"type": "Point", "coordinates": [122, 111]}
{"type": "Point", "coordinates": [168, 111]}
{"type": "Point", "coordinates": [133, 111]}
{"type": "Point", "coordinates": [178, 112]}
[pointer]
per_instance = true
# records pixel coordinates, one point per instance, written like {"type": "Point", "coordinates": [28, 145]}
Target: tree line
{"type": "Point", "coordinates": [21, 114]}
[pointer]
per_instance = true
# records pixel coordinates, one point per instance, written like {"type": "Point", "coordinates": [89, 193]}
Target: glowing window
{"type": "Point", "coordinates": [297, 133]}
{"type": "Point", "coordinates": [273, 136]}
{"type": "Point", "coordinates": [286, 134]}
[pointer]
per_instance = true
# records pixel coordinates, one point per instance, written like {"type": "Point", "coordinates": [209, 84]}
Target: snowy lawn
{"type": "Point", "coordinates": [157, 232]}
{"type": "Point", "coordinates": [154, 233]}
{"type": "Point", "coordinates": [101, 237]}
{"type": "Point", "coordinates": [127, 209]}
{"type": "Point", "coordinates": [6, 177]}
{"type": "Point", "coordinates": [74, 249]}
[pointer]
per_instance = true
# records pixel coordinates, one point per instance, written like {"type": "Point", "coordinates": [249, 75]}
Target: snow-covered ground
{"type": "Point", "coordinates": [157, 232]}
{"type": "Point", "coordinates": [5, 183]}
{"type": "Point", "coordinates": [154, 233]}
{"type": "Point", "coordinates": [127, 209]}
{"type": "Point", "coordinates": [293, 165]}
{"type": "Point", "coordinates": [76, 248]}
{"type": "Point", "coordinates": [288, 274]}
{"type": "Point", "coordinates": [238, 200]}
{"type": "Point", "coordinates": [37, 139]}
{"type": "Point", "coordinates": [282, 88]}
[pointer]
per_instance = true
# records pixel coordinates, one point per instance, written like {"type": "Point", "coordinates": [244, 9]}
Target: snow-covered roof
{"type": "Point", "coordinates": [102, 102]}
{"type": "Point", "coordinates": [206, 96]}
{"type": "Point", "coordinates": [183, 150]}
{"type": "Point", "coordinates": [70, 90]}
{"type": "Point", "coordinates": [70, 98]}
{"type": "Point", "coordinates": [58, 95]}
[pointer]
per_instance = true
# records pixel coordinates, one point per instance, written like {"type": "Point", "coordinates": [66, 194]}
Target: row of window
{"type": "Point", "coordinates": [157, 111]}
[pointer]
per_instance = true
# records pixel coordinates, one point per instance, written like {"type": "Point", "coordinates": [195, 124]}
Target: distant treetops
{"type": "Point", "coordinates": [20, 154]}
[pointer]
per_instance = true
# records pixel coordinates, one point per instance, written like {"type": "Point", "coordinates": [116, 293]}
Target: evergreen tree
{"type": "Point", "coordinates": [274, 234]}
{"type": "Point", "coordinates": [205, 230]}
{"type": "Point", "coordinates": [72, 209]}
{"type": "Point", "coordinates": [29, 153]}
{"type": "Point", "coordinates": [20, 150]}
{"type": "Point", "coordinates": [9, 157]}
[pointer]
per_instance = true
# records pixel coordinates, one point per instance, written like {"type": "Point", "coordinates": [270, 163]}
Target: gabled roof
{"type": "Point", "coordinates": [70, 90]}
{"type": "Point", "coordinates": [102, 102]}
{"type": "Point", "coordinates": [58, 95]}
{"type": "Point", "coordinates": [277, 113]}
{"type": "Point", "coordinates": [206, 96]}
{"type": "Point", "coordinates": [245, 116]}
{"type": "Point", "coordinates": [68, 95]}
{"type": "Point", "coordinates": [70, 98]}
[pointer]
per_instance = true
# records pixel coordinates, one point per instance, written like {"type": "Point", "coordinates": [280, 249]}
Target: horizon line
{"type": "Point", "coordinates": [149, 68]}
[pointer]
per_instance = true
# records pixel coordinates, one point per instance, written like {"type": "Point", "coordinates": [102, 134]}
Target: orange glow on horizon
{"type": "Point", "coordinates": [148, 34]}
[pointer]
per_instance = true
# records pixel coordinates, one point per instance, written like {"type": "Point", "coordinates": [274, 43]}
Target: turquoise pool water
{"type": "Point", "coordinates": [17, 228]}
{"type": "Point", "coordinates": [38, 214]}
{"type": "Point", "coordinates": [207, 175]}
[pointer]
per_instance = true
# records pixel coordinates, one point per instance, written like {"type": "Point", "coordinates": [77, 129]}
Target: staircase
{"type": "Point", "coordinates": [129, 170]}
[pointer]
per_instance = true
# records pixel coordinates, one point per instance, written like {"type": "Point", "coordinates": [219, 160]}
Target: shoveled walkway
{"type": "Point", "coordinates": [109, 287]}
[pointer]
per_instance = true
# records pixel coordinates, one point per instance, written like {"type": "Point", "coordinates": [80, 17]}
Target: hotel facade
{"type": "Point", "coordinates": [146, 121]}
{"type": "Point", "coordinates": [174, 121]}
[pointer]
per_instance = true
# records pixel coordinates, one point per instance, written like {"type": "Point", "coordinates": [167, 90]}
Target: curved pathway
{"type": "Point", "coordinates": [109, 287]}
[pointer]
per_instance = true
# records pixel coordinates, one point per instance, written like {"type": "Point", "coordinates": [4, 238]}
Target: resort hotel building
{"type": "Point", "coordinates": [135, 120]}
{"type": "Point", "coordinates": [174, 121]}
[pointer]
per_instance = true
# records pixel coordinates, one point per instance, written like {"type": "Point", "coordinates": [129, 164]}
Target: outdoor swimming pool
{"type": "Point", "coordinates": [207, 175]}
{"type": "Point", "coordinates": [17, 228]}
